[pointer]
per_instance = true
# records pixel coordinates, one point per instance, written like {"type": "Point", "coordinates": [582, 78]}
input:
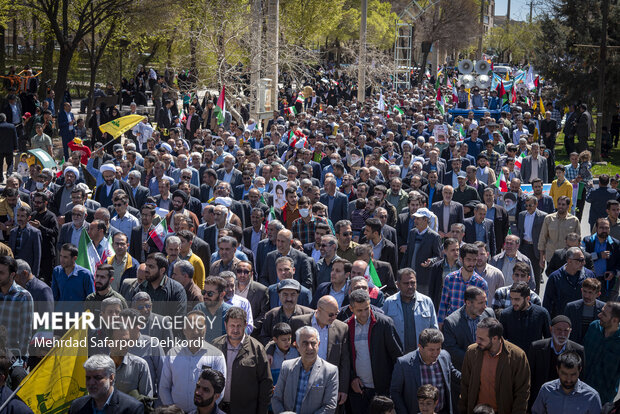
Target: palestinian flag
{"type": "Point", "coordinates": [398, 109]}
{"type": "Point", "coordinates": [158, 234]}
{"type": "Point", "coordinates": [501, 182]}
{"type": "Point", "coordinates": [291, 110]}
{"type": "Point", "coordinates": [220, 108]}
{"type": "Point", "coordinates": [440, 104]}
{"type": "Point", "coordinates": [88, 257]}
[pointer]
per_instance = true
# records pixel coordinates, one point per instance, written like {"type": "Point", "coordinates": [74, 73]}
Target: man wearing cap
{"type": "Point", "coordinates": [288, 291]}
{"type": "Point", "coordinates": [104, 192]}
{"type": "Point", "coordinates": [465, 194]}
{"type": "Point", "coordinates": [543, 354]}
{"type": "Point", "coordinates": [422, 242]}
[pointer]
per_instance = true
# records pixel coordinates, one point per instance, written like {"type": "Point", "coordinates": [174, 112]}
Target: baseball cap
{"type": "Point", "coordinates": [422, 212]}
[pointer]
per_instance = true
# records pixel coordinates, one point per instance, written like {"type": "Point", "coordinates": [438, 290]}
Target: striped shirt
{"type": "Point", "coordinates": [431, 374]}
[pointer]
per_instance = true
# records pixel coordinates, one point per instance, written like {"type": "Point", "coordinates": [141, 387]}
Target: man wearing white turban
{"type": "Point", "coordinates": [103, 193]}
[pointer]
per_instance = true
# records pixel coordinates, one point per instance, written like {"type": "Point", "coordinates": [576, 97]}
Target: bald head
{"type": "Point", "coordinates": [327, 301]}
{"type": "Point", "coordinates": [359, 268]}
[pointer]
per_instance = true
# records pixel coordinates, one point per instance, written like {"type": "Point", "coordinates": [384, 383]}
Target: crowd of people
{"type": "Point", "coordinates": [409, 270]}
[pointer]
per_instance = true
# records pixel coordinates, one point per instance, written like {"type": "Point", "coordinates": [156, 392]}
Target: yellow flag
{"type": "Point", "coordinates": [542, 107]}
{"type": "Point", "coordinates": [119, 126]}
{"type": "Point", "coordinates": [60, 377]}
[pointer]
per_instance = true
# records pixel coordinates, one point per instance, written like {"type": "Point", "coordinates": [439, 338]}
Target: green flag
{"type": "Point", "coordinates": [372, 275]}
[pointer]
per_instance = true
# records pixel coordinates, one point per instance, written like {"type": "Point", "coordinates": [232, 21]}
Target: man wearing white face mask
{"type": "Point", "coordinates": [304, 228]}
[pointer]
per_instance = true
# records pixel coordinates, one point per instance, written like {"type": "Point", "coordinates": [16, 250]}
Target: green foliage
{"type": "Point", "coordinates": [571, 67]}
{"type": "Point", "coordinates": [305, 22]}
{"type": "Point", "coordinates": [381, 23]}
{"type": "Point", "coordinates": [517, 40]}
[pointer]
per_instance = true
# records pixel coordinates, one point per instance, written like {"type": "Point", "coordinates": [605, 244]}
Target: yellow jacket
{"type": "Point", "coordinates": [566, 189]}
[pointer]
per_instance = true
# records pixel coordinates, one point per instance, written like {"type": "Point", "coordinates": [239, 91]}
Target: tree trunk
{"type": "Point", "coordinates": [64, 62]}
{"type": "Point", "coordinates": [422, 73]}
{"type": "Point", "coordinates": [2, 51]}
{"type": "Point", "coordinates": [47, 64]}
{"type": "Point", "coordinates": [15, 38]}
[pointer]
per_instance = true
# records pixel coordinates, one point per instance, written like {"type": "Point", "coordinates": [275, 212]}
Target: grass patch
{"type": "Point", "coordinates": [613, 162]}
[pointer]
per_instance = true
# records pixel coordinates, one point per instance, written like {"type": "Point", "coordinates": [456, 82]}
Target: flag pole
{"type": "Point", "coordinates": [8, 400]}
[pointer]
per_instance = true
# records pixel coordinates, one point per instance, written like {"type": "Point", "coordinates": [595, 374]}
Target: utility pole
{"type": "Point", "coordinates": [508, 17]}
{"type": "Point", "coordinates": [481, 29]}
{"type": "Point", "coordinates": [361, 71]}
{"type": "Point", "coordinates": [602, 66]}
{"type": "Point", "coordinates": [255, 63]}
{"type": "Point", "coordinates": [274, 46]}
{"type": "Point", "coordinates": [531, 10]}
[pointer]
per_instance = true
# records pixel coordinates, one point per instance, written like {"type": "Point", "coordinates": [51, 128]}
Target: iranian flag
{"type": "Point", "coordinates": [299, 98]}
{"type": "Point", "coordinates": [440, 103]}
{"type": "Point", "coordinates": [455, 94]}
{"type": "Point", "coordinates": [501, 182]}
{"type": "Point", "coordinates": [501, 93]}
{"type": "Point", "coordinates": [519, 160]}
{"type": "Point", "coordinates": [398, 109]}
{"type": "Point", "coordinates": [374, 283]}
{"type": "Point", "coordinates": [158, 234]}
{"type": "Point", "coordinates": [88, 257]}
{"type": "Point", "coordinates": [291, 110]}
{"type": "Point", "coordinates": [108, 250]}
{"type": "Point", "coordinates": [513, 93]}
{"type": "Point", "coordinates": [220, 108]}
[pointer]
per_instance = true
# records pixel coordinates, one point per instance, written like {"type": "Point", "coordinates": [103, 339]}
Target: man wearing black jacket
{"type": "Point", "coordinates": [46, 222]}
{"type": "Point", "coordinates": [371, 371]}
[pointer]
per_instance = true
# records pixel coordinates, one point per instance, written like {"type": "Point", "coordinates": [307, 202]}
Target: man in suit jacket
{"type": "Point", "coordinates": [320, 392]}
{"type": "Point", "coordinates": [102, 394]}
{"type": "Point", "coordinates": [407, 377]}
{"type": "Point", "coordinates": [228, 173]}
{"type": "Point", "coordinates": [336, 202]}
{"type": "Point", "coordinates": [590, 291]}
{"type": "Point", "coordinates": [529, 225]}
{"type": "Point", "coordinates": [67, 229]}
{"type": "Point", "coordinates": [598, 199]}
{"type": "Point", "coordinates": [542, 171]}
{"type": "Point", "coordinates": [544, 352]}
{"type": "Point", "coordinates": [66, 124]}
{"type": "Point", "coordinates": [499, 215]}
{"type": "Point", "coordinates": [435, 185]}
{"type": "Point", "coordinates": [304, 267]}
{"type": "Point", "coordinates": [25, 240]}
{"type": "Point", "coordinates": [255, 292]}
{"type": "Point", "coordinates": [422, 242]}
{"type": "Point", "coordinates": [103, 193]}
{"type": "Point", "coordinates": [140, 192]}
{"type": "Point", "coordinates": [488, 229]}
{"type": "Point", "coordinates": [383, 249]}
{"type": "Point", "coordinates": [456, 328]}
{"type": "Point", "coordinates": [336, 351]}
{"type": "Point", "coordinates": [454, 210]}
{"type": "Point", "coordinates": [382, 348]}
{"type": "Point", "coordinates": [250, 386]}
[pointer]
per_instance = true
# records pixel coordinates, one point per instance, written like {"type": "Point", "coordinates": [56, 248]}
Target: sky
{"type": "Point", "coordinates": [519, 9]}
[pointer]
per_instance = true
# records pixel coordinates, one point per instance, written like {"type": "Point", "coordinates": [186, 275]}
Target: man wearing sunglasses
{"type": "Point", "coordinates": [334, 339]}
{"type": "Point", "coordinates": [564, 285]}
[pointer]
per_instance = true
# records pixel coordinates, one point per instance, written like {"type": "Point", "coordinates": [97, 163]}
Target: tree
{"type": "Point", "coordinates": [449, 24]}
{"type": "Point", "coordinates": [305, 22]}
{"type": "Point", "coordinates": [567, 53]}
{"type": "Point", "coordinates": [515, 43]}
{"type": "Point", "coordinates": [71, 21]}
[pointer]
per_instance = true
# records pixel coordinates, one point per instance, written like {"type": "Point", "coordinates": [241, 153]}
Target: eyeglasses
{"type": "Point", "coordinates": [143, 307]}
{"type": "Point", "coordinates": [326, 244]}
{"type": "Point", "coordinates": [330, 314]}
{"type": "Point", "coordinates": [118, 204]}
{"type": "Point", "coordinates": [580, 260]}
{"type": "Point", "coordinates": [243, 271]}
{"type": "Point", "coordinates": [347, 233]}
{"type": "Point", "coordinates": [209, 293]}
{"type": "Point", "coordinates": [186, 177]}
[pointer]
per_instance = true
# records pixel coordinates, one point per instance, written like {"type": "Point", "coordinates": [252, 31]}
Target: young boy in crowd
{"type": "Point", "coordinates": [279, 349]}
{"type": "Point", "coordinates": [428, 396]}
